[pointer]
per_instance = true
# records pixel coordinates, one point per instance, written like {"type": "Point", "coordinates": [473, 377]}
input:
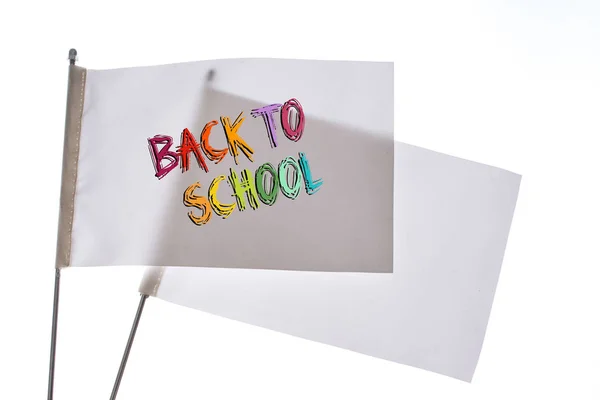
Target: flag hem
{"type": "Point", "coordinates": [151, 280]}
{"type": "Point", "coordinates": [74, 114]}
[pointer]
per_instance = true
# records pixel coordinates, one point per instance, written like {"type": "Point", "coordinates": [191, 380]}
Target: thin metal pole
{"type": "Point", "coordinates": [72, 56]}
{"type": "Point", "coordinates": [136, 322]}
{"type": "Point", "coordinates": [53, 337]}
{"type": "Point", "coordinates": [72, 59]}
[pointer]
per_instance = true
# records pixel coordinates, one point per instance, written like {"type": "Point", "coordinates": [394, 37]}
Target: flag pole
{"type": "Point", "coordinates": [136, 322]}
{"type": "Point", "coordinates": [53, 337]}
{"type": "Point", "coordinates": [72, 59]}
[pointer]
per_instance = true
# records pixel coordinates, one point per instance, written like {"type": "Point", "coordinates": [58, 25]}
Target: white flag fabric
{"type": "Point", "coordinates": [247, 163]}
{"type": "Point", "coordinates": [451, 224]}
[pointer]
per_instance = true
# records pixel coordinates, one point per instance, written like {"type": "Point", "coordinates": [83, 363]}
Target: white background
{"type": "Point", "coordinates": [514, 84]}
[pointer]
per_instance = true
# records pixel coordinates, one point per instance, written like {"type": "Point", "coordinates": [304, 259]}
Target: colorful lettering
{"type": "Point", "coordinates": [245, 187]}
{"type": "Point", "coordinates": [267, 113]}
{"type": "Point", "coordinates": [189, 145]}
{"type": "Point", "coordinates": [234, 141]}
{"type": "Point", "coordinates": [288, 191]}
{"type": "Point", "coordinates": [199, 202]}
{"type": "Point", "coordinates": [292, 133]}
{"type": "Point", "coordinates": [263, 185]}
{"type": "Point", "coordinates": [211, 153]}
{"type": "Point", "coordinates": [311, 186]}
{"type": "Point", "coordinates": [267, 197]}
{"type": "Point", "coordinates": [159, 155]}
{"type": "Point", "coordinates": [222, 210]}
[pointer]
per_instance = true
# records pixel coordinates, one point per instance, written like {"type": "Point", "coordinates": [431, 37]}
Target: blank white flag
{"type": "Point", "coordinates": [451, 223]}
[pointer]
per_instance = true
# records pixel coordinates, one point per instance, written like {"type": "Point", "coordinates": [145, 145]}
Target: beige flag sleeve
{"type": "Point", "coordinates": [75, 99]}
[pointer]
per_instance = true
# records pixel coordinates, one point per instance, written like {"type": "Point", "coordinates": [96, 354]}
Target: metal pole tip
{"type": "Point", "coordinates": [210, 75]}
{"type": "Point", "coordinates": [72, 56]}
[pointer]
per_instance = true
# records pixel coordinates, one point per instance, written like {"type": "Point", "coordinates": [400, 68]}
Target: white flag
{"type": "Point", "coordinates": [247, 163]}
{"type": "Point", "coordinates": [451, 223]}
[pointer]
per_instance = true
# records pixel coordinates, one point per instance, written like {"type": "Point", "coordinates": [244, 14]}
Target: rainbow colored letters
{"type": "Point", "coordinates": [263, 185]}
